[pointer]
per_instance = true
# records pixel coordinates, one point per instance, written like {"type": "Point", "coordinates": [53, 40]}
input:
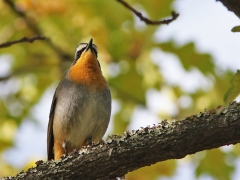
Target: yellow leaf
{"type": "Point", "coordinates": [234, 90]}
{"type": "Point", "coordinates": [165, 168]}
{"type": "Point", "coordinates": [236, 29]}
{"type": "Point", "coordinates": [214, 164]}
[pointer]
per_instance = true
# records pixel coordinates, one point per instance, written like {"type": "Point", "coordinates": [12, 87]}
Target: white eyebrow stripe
{"type": "Point", "coordinates": [83, 45]}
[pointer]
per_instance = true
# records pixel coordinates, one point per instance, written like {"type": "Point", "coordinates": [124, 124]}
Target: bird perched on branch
{"type": "Point", "coordinates": [81, 105]}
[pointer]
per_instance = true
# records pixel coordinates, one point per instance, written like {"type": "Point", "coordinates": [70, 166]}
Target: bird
{"type": "Point", "coordinates": [81, 105]}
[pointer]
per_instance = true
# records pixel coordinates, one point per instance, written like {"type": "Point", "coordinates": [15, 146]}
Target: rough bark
{"type": "Point", "coordinates": [232, 5]}
{"type": "Point", "coordinates": [122, 154]}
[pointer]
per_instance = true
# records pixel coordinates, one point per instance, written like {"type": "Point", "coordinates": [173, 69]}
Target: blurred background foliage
{"type": "Point", "coordinates": [125, 54]}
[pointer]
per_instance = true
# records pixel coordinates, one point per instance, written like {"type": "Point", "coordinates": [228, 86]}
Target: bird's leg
{"type": "Point", "coordinates": [58, 149]}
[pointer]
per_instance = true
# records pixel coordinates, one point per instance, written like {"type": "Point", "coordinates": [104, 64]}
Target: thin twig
{"type": "Point", "coordinates": [62, 55]}
{"type": "Point", "coordinates": [24, 39]}
{"type": "Point", "coordinates": [146, 20]}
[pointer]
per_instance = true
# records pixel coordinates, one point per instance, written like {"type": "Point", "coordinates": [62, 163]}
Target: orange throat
{"type": "Point", "coordinates": [86, 71]}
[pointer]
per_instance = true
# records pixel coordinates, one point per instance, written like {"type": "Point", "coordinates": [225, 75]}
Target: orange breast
{"type": "Point", "coordinates": [86, 71]}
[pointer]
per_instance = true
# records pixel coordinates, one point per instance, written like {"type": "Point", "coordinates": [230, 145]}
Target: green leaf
{"type": "Point", "coordinates": [122, 118]}
{"type": "Point", "coordinates": [153, 8]}
{"type": "Point", "coordinates": [165, 168]}
{"type": "Point", "coordinates": [234, 90]}
{"type": "Point", "coordinates": [129, 84]}
{"type": "Point", "coordinates": [190, 57]}
{"type": "Point", "coordinates": [214, 164]}
{"type": "Point", "coordinates": [236, 29]}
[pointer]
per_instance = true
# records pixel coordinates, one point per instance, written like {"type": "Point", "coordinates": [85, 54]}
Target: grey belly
{"type": "Point", "coordinates": [86, 116]}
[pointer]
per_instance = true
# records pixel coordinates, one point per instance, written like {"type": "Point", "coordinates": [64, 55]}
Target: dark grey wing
{"type": "Point", "coordinates": [50, 138]}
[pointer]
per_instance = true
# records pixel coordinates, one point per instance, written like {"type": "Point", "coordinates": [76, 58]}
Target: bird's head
{"type": "Point", "coordinates": [85, 64]}
{"type": "Point", "coordinates": [86, 52]}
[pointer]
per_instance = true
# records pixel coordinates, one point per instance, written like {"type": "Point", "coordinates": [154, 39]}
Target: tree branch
{"type": "Point", "coordinates": [146, 20]}
{"type": "Point", "coordinates": [232, 5]}
{"type": "Point", "coordinates": [24, 39]}
{"type": "Point", "coordinates": [34, 28]}
{"type": "Point", "coordinates": [122, 154]}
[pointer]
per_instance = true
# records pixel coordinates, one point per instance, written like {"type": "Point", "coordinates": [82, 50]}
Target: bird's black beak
{"type": "Point", "coordinates": [89, 45]}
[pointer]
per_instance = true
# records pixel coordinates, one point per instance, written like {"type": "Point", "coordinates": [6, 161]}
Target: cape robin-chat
{"type": "Point", "coordinates": [81, 105]}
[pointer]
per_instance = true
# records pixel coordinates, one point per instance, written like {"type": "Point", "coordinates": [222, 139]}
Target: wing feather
{"type": "Point", "coordinates": [50, 138]}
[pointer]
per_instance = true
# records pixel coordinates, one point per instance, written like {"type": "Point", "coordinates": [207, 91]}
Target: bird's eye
{"type": "Point", "coordinates": [79, 50]}
{"type": "Point", "coordinates": [78, 53]}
